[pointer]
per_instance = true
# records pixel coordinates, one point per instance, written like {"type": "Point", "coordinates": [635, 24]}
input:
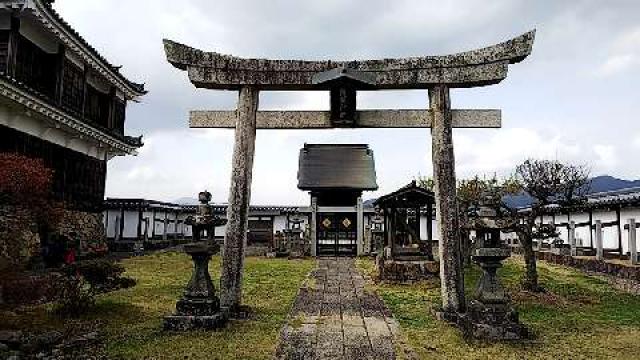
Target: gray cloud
{"type": "Point", "coordinates": [576, 97]}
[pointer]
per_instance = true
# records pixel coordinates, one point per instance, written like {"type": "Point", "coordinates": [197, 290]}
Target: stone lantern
{"type": "Point", "coordinates": [199, 307]}
{"type": "Point", "coordinates": [293, 237]}
{"type": "Point", "coordinates": [377, 232]}
{"type": "Point", "coordinates": [490, 315]}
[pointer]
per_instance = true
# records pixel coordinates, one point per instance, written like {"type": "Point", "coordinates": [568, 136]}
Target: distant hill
{"type": "Point", "coordinates": [598, 184]}
{"type": "Point", "coordinates": [609, 183]}
{"type": "Point", "coordinates": [186, 201]}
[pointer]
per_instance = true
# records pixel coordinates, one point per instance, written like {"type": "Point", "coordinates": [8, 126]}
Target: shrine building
{"type": "Point", "coordinates": [335, 177]}
{"type": "Point", "coordinates": [62, 102]}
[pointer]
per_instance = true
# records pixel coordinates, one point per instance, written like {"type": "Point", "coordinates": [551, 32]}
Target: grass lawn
{"type": "Point", "coordinates": [131, 319]}
{"type": "Point", "coordinates": [580, 317]}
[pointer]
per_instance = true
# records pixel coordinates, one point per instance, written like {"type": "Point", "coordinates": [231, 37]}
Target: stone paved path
{"type": "Point", "coordinates": [335, 318]}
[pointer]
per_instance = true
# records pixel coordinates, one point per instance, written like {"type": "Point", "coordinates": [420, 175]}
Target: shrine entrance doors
{"type": "Point", "coordinates": [336, 234]}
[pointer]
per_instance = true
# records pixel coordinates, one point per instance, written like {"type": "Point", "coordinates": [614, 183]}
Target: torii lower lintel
{"type": "Point", "coordinates": [365, 119]}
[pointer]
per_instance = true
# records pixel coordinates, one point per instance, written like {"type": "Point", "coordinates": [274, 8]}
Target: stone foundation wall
{"type": "Point", "coordinates": [20, 243]}
{"type": "Point", "coordinates": [89, 227]}
{"type": "Point", "coordinates": [19, 239]}
{"type": "Point", "coordinates": [406, 271]}
{"type": "Point", "coordinates": [592, 265]}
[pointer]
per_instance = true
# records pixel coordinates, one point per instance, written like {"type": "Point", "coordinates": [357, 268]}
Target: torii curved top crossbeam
{"type": "Point", "coordinates": [479, 67]}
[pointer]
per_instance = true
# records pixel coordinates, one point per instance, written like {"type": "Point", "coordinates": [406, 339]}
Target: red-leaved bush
{"type": "Point", "coordinates": [23, 180]}
{"type": "Point", "coordinates": [27, 182]}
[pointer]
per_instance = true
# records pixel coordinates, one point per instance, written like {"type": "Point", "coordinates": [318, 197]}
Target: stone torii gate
{"type": "Point", "coordinates": [343, 79]}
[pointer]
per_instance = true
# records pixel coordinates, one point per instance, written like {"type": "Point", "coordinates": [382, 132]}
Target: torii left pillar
{"type": "Point", "coordinates": [235, 238]}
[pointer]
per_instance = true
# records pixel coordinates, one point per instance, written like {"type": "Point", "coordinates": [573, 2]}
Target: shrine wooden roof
{"type": "Point", "coordinates": [479, 67]}
{"type": "Point", "coordinates": [409, 196]}
{"type": "Point", "coordinates": [336, 167]}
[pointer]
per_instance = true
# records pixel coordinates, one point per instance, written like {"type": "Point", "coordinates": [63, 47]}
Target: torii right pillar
{"type": "Point", "coordinates": [451, 273]}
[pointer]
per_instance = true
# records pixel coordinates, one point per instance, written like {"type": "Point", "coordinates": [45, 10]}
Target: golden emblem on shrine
{"type": "Point", "coordinates": [346, 222]}
{"type": "Point", "coordinates": [326, 222]}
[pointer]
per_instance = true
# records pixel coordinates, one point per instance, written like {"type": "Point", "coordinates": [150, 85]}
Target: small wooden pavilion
{"type": "Point", "coordinates": [402, 209]}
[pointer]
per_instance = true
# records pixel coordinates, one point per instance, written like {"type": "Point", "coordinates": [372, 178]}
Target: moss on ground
{"type": "Point", "coordinates": [580, 317]}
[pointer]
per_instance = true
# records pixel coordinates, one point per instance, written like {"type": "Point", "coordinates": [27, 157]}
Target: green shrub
{"type": "Point", "coordinates": [77, 288]}
{"type": "Point", "coordinates": [75, 296]}
{"type": "Point", "coordinates": [101, 274]}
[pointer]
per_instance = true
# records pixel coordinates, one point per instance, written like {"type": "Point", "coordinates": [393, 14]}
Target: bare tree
{"type": "Point", "coordinates": [547, 182]}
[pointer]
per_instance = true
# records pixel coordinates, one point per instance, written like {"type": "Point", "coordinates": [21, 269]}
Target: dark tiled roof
{"type": "Point", "coordinates": [329, 166]}
{"type": "Point", "coordinates": [629, 196]}
{"type": "Point", "coordinates": [115, 70]}
{"type": "Point", "coordinates": [112, 203]}
{"type": "Point", "coordinates": [603, 200]}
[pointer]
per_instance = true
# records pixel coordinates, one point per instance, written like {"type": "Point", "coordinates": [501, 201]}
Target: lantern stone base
{"type": "Point", "coordinates": [406, 271]}
{"type": "Point", "coordinates": [487, 322]}
{"type": "Point", "coordinates": [186, 322]}
{"type": "Point", "coordinates": [492, 323]}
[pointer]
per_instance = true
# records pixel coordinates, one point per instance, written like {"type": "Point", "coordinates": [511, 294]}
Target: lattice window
{"type": "Point", "coordinates": [35, 68]}
{"type": "Point", "coordinates": [119, 115]}
{"type": "Point", "coordinates": [4, 50]}
{"type": "Point", "coordinates": [72, 87]}
{"type": "Point", "coordinates": [97, 107]}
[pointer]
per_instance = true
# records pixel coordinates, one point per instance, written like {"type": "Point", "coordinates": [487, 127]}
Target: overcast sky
{"type": "Point", "coordinates": [575, 98]}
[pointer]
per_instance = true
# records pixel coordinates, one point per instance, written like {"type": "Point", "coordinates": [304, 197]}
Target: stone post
{"type": "Point", "coordinates": [360, 227]}
{"type": "Point", "coordinates": [572, 238]}
{"type": "Point", "coordinates": [313, 225]}
{"type": "Point", "coordinates": [235, 238]}
{"type": "Point", "coordinates": [451, 275]}
{"type": "Point", "coordinates": [599, 249]}
{"type": "Point", "coordinates": [633, 249]}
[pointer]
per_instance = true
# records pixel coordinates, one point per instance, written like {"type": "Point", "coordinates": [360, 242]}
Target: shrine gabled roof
{"type": "Point", "coordinates": [336, 167]}
{"type": "Point", "coordinates": [44, 12]}
{"type": "Point", "coordinates": [408, 196]}
{"type": "Point", "coordinates": [479, 67]}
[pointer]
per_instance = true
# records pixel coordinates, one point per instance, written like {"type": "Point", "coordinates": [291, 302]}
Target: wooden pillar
{"type": "Point", "coordinates": [111, 118]}
{"type": "Point", "coordinates": [313, 225]}
{"type": "Point", "coordinates": [572, 238]}
{"type": "Point", "coordinates": [85, 89]}
{"type": "Point", "coordinates": [633, 246]}
{"type": "Point", "coordinates": [599, 247]}
{"type": "Point", "coordinates": [166, 226]}
{"type": "Point", "coordinates": [153, 224]}
{"type": "Point", "coordinates": [417, 229]}
{"type": "Point", "coordinates": [591, 228]}
{"type": "Point", "coordinates": [60, 60]}
{"type": "Point", "coordinates": [360, 226]}
{"type": "Point", "coordinates": [121, 224]}
{"type": "Point", "coordinates": [116, 229]}
{"type": "Point", "coordinates": [12, 50]}
{"type": "Point", "coordinates": [619, 227]}
{"type": "Point", "coordinates": [451, 275]}
{"type": "Point", "coordinates": [235, 238]}
{"type": "Point", "coordinates": [393, 223]}
{"type": "Point", "coordinates": [387, 230]}
{"type": "Point", "coordinates": [139, 230]}
{"type": "Point", "coordinates": [430, 224]}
